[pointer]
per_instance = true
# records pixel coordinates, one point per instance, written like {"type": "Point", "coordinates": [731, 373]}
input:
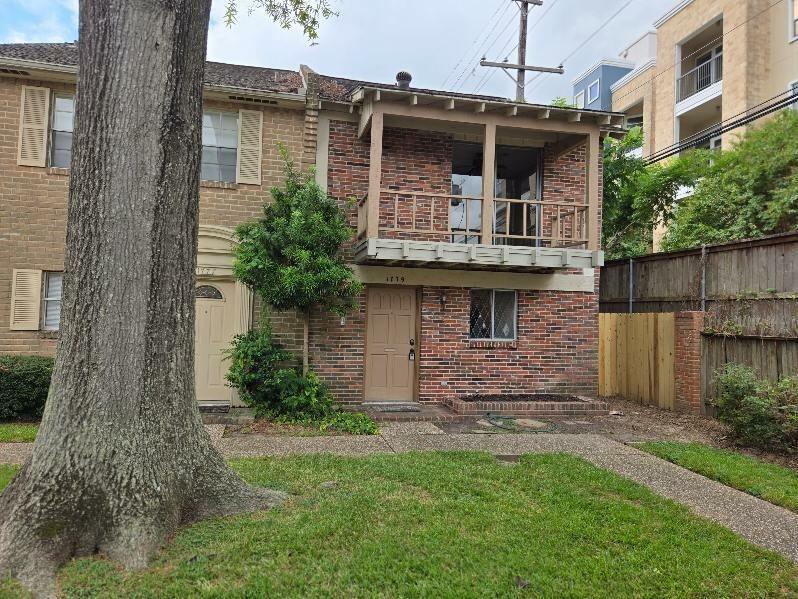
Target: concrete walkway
{"type": "Point", "coordinates": [757, 521]}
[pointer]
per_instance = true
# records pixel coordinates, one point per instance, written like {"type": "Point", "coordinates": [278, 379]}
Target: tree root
{"type": "Point", "coordinates": [34, 543]}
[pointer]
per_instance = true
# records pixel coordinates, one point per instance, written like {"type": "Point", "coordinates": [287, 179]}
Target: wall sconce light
{"type": "Point", "coordinates": [343, 320]}
{"type": "Point", "coordinates": [443, 301]}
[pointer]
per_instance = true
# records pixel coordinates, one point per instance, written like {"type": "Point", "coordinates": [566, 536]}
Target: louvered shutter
{"type": "Point", "coordinates": [33, 121]}
{"type": "Point", "coordinates": [26, 293]}
{"type": "Point", "coordinates": [250, 129]}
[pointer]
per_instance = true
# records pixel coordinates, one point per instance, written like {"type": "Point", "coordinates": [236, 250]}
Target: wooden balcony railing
{"type": "Point", "coordinates": [430, 214]}
{"type": "Point", "coordinates": [542, 223]}
{"type": "Point", "coordinates": [458, 219]}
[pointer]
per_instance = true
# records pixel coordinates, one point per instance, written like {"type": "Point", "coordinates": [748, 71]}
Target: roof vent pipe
{"type": "Point", "coordinates": [403, 79]}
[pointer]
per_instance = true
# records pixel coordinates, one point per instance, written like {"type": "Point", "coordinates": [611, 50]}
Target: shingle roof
{"type": "Point", "coordinates": [216, 73]}
{"type": "Point", "coordinates": [340, 89]}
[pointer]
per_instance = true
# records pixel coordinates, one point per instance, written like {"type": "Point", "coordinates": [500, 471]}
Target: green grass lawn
{"type": "Point", "coordinates": [17, 433]}
{"type": "Point", "coordinates": [773, 483]}
{"type": "Point", "coordinates": [446, 525]}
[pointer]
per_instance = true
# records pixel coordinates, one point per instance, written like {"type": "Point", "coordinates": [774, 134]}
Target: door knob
{"type": "Point", "coordinates": [412, 342]}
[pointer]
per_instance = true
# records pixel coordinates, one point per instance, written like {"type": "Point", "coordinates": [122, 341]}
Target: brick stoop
{"type": "Point", "coordinates": [579, 406]}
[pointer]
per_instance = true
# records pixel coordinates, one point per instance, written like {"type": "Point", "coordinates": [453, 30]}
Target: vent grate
{"type": "Point", "coordinates": [13, 71]}
{"type": "Point", "coordinates": [253, 100]}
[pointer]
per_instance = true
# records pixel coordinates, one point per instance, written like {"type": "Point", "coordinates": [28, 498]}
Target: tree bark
{"type": "Point", "coordinates": [122, 458]}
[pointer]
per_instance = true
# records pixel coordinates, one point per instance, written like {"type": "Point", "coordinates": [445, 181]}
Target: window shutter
{"type": "Point", "coordinates": [33, 122]}
{"type": "Point", "coordinates": [26, 293]}
{"type": "Point", "coordinates": [250, 132]}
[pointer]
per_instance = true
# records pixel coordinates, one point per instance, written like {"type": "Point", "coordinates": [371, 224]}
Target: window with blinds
{"type": "Point", "coordinates": [61, 133]}
{"type": "Point", "coordinates": [219, 146]}
{"type": "Point", "coordinates": [51, 301]}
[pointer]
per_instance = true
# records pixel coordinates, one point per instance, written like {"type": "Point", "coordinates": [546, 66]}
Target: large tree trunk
{"type": "Point", "coordinates": [122, 458]}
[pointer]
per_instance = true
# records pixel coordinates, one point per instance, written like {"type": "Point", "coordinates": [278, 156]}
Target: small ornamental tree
{"type": "Point", "coordinates": [292, 256]}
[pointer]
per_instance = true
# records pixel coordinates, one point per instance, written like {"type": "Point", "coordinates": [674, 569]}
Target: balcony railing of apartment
{"type": "Point", "coordinates": [700, 78]}
{"type": "Point", "coordinates": [458, 219]}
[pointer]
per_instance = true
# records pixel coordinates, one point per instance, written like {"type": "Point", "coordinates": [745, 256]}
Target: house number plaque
{"type": "Point", "coordinates": [206, 271]}
{"type": "Point", "coordinates": [394, 279]}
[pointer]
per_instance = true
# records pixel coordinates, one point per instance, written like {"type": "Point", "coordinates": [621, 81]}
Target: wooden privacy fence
{"type": "Point", "coordinates": [636, 358]}
{"type": "Point", "coordinates": [745, 298]}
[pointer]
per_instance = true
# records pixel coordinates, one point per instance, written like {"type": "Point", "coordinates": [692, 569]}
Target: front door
{"type": "Point", "coordinates": [214, 328]}
{"type": "Point", "coordinates": [391, 346]}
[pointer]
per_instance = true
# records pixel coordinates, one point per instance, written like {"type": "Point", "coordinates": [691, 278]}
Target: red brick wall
{"type": "Point", "coordinates": [412, 160]}
{"type": "Point", "coordinates": [563, 181]}
{"type": "Point", "coordinates": [556, 348]}
{"type": "Point", "coordinates": [337, 351]}
{"type": "Point", "coordinates": [687, 361]}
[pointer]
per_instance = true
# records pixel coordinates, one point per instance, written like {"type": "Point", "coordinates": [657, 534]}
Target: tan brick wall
{"type": "Point", "coordinates": [758, 62]}
{"type": "Point", "coordinates": [33, 201]}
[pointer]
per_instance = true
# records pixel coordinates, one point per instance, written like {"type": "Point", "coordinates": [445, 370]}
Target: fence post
{"type": "Point", "coordinates": [703, 278]}
{"type": "Point", "coordinates": [631, 284]}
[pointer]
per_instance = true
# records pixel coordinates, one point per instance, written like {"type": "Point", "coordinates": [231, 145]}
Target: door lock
{"type": "Point", "coordinates": [412, 355]}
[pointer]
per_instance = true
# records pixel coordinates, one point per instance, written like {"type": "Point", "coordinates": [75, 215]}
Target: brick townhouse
{"type": "Point", "coordinates": [475, 226]}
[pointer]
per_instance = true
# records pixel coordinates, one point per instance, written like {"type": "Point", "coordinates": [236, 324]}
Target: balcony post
{"type": "Point", "coordinates": [592, 157]}
{"type": "Point", "coordinates": [375, 177]}
{"type": "Point", "coordinates": [488, 183]}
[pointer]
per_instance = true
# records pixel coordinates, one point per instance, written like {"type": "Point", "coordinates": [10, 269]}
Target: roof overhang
{"type": "Point", "coordinates": [474, 109]}
{"type": "Point", "coordinates": [37, 70]}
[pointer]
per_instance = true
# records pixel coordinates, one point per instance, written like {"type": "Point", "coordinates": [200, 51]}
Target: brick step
{"type": "Point", "coordinates": [579, 406]}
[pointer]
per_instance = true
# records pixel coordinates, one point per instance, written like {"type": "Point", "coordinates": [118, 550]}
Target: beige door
{"type": "Point", "coordinates": [215, 327]}
{"type": "Point", "coordinates": [391, 332]}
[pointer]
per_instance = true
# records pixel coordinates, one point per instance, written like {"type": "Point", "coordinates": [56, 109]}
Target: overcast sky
{"type": "Point", "coordinates": [373, 39]}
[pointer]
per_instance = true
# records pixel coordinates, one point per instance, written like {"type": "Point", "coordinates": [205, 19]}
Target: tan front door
{"type": "Point", "coordinates": [215, 327]}
{"type": "Point", "coordinates": [390, 337]}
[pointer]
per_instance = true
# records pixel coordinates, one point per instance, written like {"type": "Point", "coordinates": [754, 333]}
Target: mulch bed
{"type": "Point", "coordinates": [527, 397]}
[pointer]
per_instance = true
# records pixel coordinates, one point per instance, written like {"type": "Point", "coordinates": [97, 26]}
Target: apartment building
{"type": "Point", "coordinates": [475, 226]}
{"type": "Point", "coordinates": [705, 62]}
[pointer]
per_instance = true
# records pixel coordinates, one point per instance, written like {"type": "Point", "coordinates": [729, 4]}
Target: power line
{"type": "Point", "coordinates": [587, 40]}
{"type": "Point", "coordinates": [474, 43]}
{"type": "Point", "coordinates": [484, 50]}
{"type": "Point", "coordinates": [769, 106]}
{"type": "Point", "coordinates": [489, 75]}
{"type": "Point", "coordinates": [722, 36]}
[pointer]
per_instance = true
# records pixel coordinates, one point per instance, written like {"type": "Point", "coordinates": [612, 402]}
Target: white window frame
{"type": "Point", "coordinates": [238, 141]}
{"type": "Point", "coordinates": [51, 136]}
{"type": "Point", "coordinates": [590, 97]}
{"type": "Point", "coordinates": [493, 315]}
{"type": "Point", "coordinates": [792, 24]}
{"type": "Point", "coordinates": [579, 99]}
{"type": "Point", "coordinates": [45, 299]}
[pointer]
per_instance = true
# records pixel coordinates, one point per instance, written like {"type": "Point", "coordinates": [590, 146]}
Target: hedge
{"type": "Point", "coordinates": [24, 383]}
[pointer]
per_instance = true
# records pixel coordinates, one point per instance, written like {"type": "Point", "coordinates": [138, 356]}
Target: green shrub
{"type": "Point", "coordinates": [761, 414]}
{"type": "Point", "coordinates": [255, 360]}
{"type": "Point", "coordinates": [258, 371]}
{"type": "Point", "coordinates": [24, 383]}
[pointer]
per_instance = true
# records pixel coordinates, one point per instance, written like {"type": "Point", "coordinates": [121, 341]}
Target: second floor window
{"type": "Point", "coordinates": [593, 91]}
{"type": "Point", "coordinates": [579, 100]}
{"type": "Point", "coordinates": [219, 146]}
{"type": "Point", "coordinates": [61, 137]}
{"type": "Point", "coordinates": [794, 19]}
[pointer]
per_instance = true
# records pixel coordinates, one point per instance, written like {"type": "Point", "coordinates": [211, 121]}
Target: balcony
{"type": "Point", "coordinates": [518, 188]}
{"type": "Point", "coordinates": [446, 228]}
{"type": "Point", "coordinates": [700, 84]}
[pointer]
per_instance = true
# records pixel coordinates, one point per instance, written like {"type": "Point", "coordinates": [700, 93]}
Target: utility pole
{"type": "Point", "coordinates": [521, 81]}
{"type": "Point", "coordinates": [521, 67]}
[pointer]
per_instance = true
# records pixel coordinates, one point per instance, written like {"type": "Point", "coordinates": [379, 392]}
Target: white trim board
{"type": "Point", "coordinates": [438, 277]}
